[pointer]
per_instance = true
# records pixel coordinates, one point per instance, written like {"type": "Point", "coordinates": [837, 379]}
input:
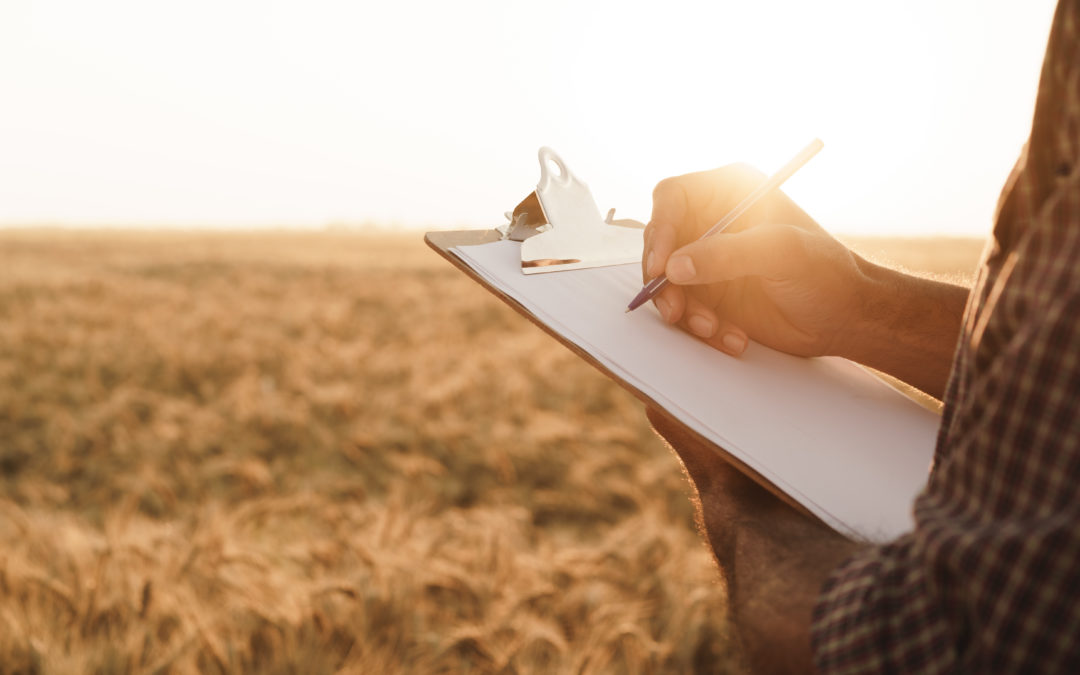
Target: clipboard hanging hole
{"type": "Point", "coordinates": [552, 168]}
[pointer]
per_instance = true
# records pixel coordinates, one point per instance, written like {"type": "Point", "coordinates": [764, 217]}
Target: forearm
{"type": "Point", "coordinates": [908, 327]}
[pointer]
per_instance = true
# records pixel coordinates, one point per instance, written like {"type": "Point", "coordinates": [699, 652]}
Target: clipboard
{"type": "Point", "coordinates": [442, 242]}
{"type": "Point", "coordinates": [823, 434]}
{"type": "Point", "coordinates": [855, 463]}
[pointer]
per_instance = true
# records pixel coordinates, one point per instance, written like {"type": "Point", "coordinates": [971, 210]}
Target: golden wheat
{"type": "Point", "coordinates": [325, 453]}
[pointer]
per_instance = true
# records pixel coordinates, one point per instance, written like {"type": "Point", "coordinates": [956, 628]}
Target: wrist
{"type": "Point", "coordinates": [904, 325]}
{"type": "Point", "coordinates": [878, 300]}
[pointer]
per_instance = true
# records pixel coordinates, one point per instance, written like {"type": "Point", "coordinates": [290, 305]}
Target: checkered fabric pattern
{"type": "Point", "coordinates": [989, 580]}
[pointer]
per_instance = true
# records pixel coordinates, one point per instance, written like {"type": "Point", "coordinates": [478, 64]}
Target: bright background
{"type": "Point", "coordinates": [425, 113]}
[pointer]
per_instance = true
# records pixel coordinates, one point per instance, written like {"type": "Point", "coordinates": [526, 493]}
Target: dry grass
{"type": "Point", "coordinates": [321, 453]}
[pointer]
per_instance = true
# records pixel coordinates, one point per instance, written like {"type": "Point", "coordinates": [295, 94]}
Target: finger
{"type": "Point", "coordinates": [646, 247]}
{"type": "Point", "coordinates": [651, 267]}
{"type": "Point", "coordinates": [684, 207]}
{"type": "Point", "coordinates": [729, 339]}
{"type": "Point", "coordinates": [670, 205]}
{"type": "Point", "coordinates": [771, 251]}
{"type": "Point", "coordinates": [713, 194]}
{"type": "Point", "coordinates": [671, 302]}
{"type": "Point", "coordinates": [669, 202]}
{"type": "Point", "coordinates": [719, 333]}
{"type": "Point", "coordinates": [699, 319]}
{"type": "Point", "coordinates": [662, 243]}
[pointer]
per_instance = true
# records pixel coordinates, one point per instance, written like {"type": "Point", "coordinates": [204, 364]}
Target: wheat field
{"type": "Point", "coordinates": [329, 452]}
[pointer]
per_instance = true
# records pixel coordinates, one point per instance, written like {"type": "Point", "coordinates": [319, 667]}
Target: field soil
{"type": "Point", "coordinates": [285, 452]}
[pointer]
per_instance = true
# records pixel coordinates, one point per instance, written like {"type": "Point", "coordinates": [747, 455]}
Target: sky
{"type": "Point", "coordinates": [429, 114]}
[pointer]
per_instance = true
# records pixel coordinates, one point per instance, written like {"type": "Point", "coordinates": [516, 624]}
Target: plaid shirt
{"type": "Point", "coordinates": [989, 580]}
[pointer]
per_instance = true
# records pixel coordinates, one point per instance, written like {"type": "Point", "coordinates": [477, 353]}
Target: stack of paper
{"type": "Point", "coordinates": [850, 448]}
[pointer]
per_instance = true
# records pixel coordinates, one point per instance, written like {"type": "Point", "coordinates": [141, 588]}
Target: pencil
{"type": "Point", "coordinates": [772, 182]}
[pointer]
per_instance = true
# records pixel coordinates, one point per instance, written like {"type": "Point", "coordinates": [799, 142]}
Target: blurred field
{"type": "Point", "coordinates": [328, 452]}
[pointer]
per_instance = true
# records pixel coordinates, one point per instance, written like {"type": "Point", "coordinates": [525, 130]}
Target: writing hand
{"type": "Point", "coordinates": [775, 276]}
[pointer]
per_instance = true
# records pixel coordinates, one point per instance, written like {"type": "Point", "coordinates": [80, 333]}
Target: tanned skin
{"type": "Point", "coordinates": [778, 278]}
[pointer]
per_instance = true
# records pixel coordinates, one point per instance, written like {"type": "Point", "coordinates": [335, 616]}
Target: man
{"type": "Point", "coordinates": [989, 580]}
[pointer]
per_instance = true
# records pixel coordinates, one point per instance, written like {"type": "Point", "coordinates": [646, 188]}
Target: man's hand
{"type": "Point", "coordinates": [773, 558]}
{"type": "Point", "coordinates": [775, 276]}
{"type": "Point", "coordinates": [778, 278]}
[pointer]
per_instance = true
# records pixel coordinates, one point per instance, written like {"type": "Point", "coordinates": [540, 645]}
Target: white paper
{"type": "Point", "coordinates": [840, 441]}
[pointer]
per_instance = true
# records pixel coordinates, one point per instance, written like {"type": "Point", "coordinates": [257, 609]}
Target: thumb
{"type": "Point", "coordinates": [766, 250]}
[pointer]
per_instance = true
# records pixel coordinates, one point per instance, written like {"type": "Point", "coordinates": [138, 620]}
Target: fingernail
{"type": "Point", "coordinates": [664, 307]}
{"type": "Point", "coordinates": [701, 326]}
{"type": "Point", "coordinates": [733, 343]}
{"type": "Point", "coordinates": [649, 264]}
{"type": "Point", "coordinates": [681, 269]}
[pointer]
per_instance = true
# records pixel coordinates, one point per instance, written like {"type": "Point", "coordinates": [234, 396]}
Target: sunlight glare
{"type": "Point", "coordinates": [429, 114]}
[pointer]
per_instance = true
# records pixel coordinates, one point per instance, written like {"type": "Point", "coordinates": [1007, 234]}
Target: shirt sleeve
{"type": "Point", "coordinates": [989, 580]}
